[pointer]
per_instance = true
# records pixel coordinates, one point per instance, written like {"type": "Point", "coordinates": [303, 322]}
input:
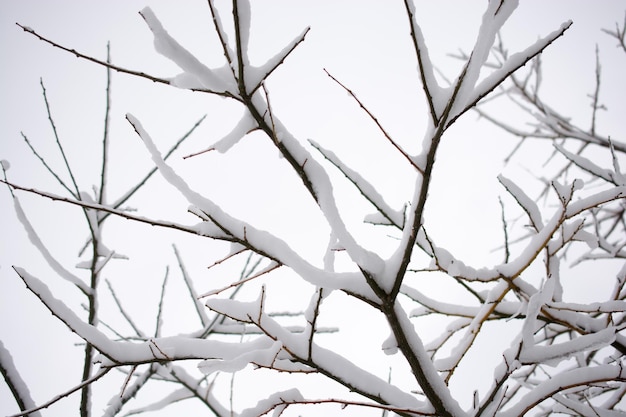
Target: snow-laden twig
{"type": "Point", "coordinates": [394, 217]}
{"type": "Point", "coordinates": [515, 62]}
{"type": "Point", "coordinates": [259, 241]}
{"type": "Point", "coordinates": [256, 76]}
{"type": "Point", "coordinates": [207, 79]}
{"type": "Point", "coordinates": [114, 353]}
{"type": "Point", "coordinates": [119, 69]}
{"type": "Point", "coordinates": [525, 202]}
{"type": "Point", "coordinates": [36, 241]}
{"type": "Point", "coordinates": [15, 382]}
{"type": "Point", "coordinates": [242, 128]}
{"type": "Point", "coordinates": [430, 85]}
{"type": "Point", "coordinates": [325, 361]}
{"type": "Point", "coordinates": [569, 379]}
{"type": "Point", "coordinates": [116, 403]}
{"type": "Point", "coordinates": [613, 176]}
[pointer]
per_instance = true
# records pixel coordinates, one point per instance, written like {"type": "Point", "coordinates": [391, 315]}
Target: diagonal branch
{"type": "Point", "coordinates": [118, 68]}
{"type": "Point", "coordinates": [375, 120]}
{"type": "Point", "coordinates": [429, 83]}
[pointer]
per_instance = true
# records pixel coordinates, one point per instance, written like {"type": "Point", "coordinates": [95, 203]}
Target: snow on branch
{"type": "Point", "coordinates": [323, 360]}
{"type": "Point", "coordinates": [255, 76]}
{"type": "Point", "coordinates": [117, 68]}
{"type": "Point", "coordinates": [434, 93]}
{"type": "Point", "coordinates": [15, 382]}
{"type": "Point", "coordinates": [393, 217]}
{"type": "Point", "coordinates": [114, 353]}
{"type": "Point", "coordinates": [245, 126]}
{"type": "Point", "coordinates": [208, 79]}
{"type": "Point", "coordinates": [525, 202]}
{"type": "Point", "coordinates": [513, 63]}
{"type": "Point", "coordinates": [560, 382]}
{"type": "Point", "coordinates": [493, 19]}
{"type": "Point", "coordinates": [36, 241]}
{"type": "Point", "coordinates": [257, 240]}
{"type": "Point", "coordinates": [562, 351]}
{"type": "Point", "coordinates": [191, 388]}
{"type": "Point", "coordinates": [317, 182]}
{"type": "Point", "coordinates": [583, 339]}
{"type": "Point", "coordinates": [613, 176]}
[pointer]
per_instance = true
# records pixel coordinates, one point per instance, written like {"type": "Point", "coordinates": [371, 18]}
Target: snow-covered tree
{"type": "Point", "coordinates": [286, 242]}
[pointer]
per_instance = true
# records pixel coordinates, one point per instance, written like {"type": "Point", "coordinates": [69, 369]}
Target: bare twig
{"type": "Point", "coordinates": [375, 120]}
{"type": "Point", "coordinates": [126, 316]}
{"type": "Point", "coordinates": [158, 324]}
{"type": "Point", "coordinates": [45, 164]}
{"type": "Point", "coordinates": [105, 136]}
{"type": "Point", "coordinates": [619, 34]}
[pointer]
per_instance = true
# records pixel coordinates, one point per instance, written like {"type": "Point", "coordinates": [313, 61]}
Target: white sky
{"type": "Point", "coordinates": [363, 43]}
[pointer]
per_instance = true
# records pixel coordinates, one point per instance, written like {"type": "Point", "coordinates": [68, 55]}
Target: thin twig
{"type": "Point", "coordinates": [67, 393]}
{"type": "Point", "coordinates": [169, 153]}
{"type": "Point", "coordinates": [270, 268]}
{"type": "Point", "coordinates": [130, 321]}
{"type": "Point", "coordinates": [281, 61]}
{"type": "Point", "coordinates": [619, 34]}
{"type": "Point", "coordinates": [375, 120]}
{"type": "Point", "coordinates": [192, 291]}
{"type": "Point", "coordinates": [117, 68]}
{"type": "Point", "coordinates": [45, 164]}
{"type": "Point", "coordinates": [105, 136]}
{"type": "Point", "coordinates": [120, 213]}
{"type": "Point", "coordinates": [157, 330]}
{"type": "Point", "coordinates": [313, 322]}
{"type": "Point", "coordinates": [76, 192]}
{"type": "Point", "coordinates": [596, 94]}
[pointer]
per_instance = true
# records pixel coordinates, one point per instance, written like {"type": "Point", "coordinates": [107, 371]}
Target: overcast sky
{"type": "Point", "coordinates": [364, 43]}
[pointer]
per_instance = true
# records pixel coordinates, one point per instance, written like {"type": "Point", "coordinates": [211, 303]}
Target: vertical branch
{"type": "Point", "coordinates": [85, 397]}
{"type": "Point", "coordinates": [416, 223]}
{"type": "Point", "coordinates": [58, 141]}
{"type": "Point", "coordinates": [222, 36]}
{"type": "Point", "coordinates": [313, 321]}
{"type": "Point", "coordinates": [157, 330]}
{"type": "Point", "coordinates": [423, 60]}
{"type": "Point", "coordinates": [105, 138]}
{"type": "Point", "coordinates": [240, 50]}
{"type": "Point", "coordinates": [94, 225]}
{"type": "Point", "coordinates": [594, 105]}
{"type": "Point", "coordinates": [507, 253]}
